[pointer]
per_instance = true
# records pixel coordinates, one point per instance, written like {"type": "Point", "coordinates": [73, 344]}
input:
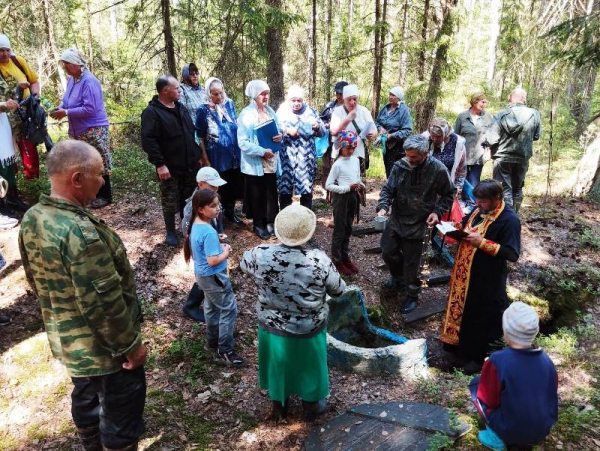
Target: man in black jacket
{"type": "Point", "coordinates": [168, 139]}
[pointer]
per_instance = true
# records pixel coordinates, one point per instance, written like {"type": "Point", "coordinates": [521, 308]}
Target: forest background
{"type": "Point", "coordinates": [439, 51]}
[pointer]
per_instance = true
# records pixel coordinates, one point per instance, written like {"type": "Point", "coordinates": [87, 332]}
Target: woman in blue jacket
{"type": "Point", "coordinates": [258, 164]}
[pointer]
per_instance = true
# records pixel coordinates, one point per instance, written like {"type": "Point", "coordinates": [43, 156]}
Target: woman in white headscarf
{"type": "Point", "coordinates": [259, 164]}
{"type": "Point", "coordinates": [298, 157]}
{"type": "Point", "coordinates": [395, 125]}
{"type": "Point", "coordinates": [449, 148]}
{"type": "Point", "coordinates": [355, 117]}
{"type": "Point", "coordinates": [216, 128]}
{"type": "Point", "coordinates": [83, 106]}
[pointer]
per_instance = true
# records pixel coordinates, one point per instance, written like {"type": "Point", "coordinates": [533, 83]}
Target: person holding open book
{"type": "Point", "coordinates": [472, 325]}
{"type": "Point", "coordinates": [300, 125]}
{"type": "Point", "coordinates": [259, 137]}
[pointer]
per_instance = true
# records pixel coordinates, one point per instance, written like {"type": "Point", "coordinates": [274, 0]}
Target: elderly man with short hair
{"type": "Point", "coordinates": [79, 270]}
{"type": "Point", "coordinates": [168, 137]}
{"type": "Point", "coordinates": [511, 139]}
{"type": "Point", "coordinates": [419, 191]}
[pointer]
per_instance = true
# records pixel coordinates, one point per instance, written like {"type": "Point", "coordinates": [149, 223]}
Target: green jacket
{"type": "Point", "coordinates": [513, 132]}
{"type": "Point", "coordinates": [78, 268]}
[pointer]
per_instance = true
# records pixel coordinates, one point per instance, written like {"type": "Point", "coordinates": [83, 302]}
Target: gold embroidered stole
{"type": "Point", "coordinates": [461, 276]}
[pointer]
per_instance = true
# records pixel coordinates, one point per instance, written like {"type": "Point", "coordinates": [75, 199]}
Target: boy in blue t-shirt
{"type": "Point", "coordinates": [516, 393]}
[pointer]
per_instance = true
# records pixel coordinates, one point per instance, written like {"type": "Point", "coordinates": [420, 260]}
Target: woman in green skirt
{"type": "Point", "coordinates": [292, 283]}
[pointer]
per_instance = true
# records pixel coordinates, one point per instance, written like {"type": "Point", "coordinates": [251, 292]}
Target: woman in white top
{"type": "Point", "coordinates": [355, 117]}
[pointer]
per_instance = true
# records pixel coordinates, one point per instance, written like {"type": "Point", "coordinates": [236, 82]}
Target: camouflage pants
{"type": "Point", "coordinates": [174, 192]}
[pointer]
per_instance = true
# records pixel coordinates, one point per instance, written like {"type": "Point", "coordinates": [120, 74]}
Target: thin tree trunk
{"type": "Point", "coordinates": [380, 18]}
{"type": "Point", "coordinates": [168, 34]}
{"type": "Point", "coordinates": [328, 71]}
{"type": "Point", "coordinates": [312, 60]}
{"type": "Point", "coordinates": [90, 36]}
{"type": "Point", "coordinates": [376, 60]}
{"type": "Point", "coordinates": [422, 56]}
{"type": "Point", "coordinates": [274, 43]}
{"type": "Point", "coordinates": [349, 28]}
{"type": "Point", "coordinates": [426, 110]}
{"type": "Point", "coordinates": [495, 9]}
{"type": "Point", "coordinates": [403, 56]}
{"type": "Point", "coordinates": [58, 77]}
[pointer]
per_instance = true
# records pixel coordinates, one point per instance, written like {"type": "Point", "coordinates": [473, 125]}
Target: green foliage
{"type": "Point", "coordinates": [132, 173]}
{"type": "Point", "coordinates": [577, 40]}
{"type": "Point", "coordinates": [165, 409]}
{"type": "Point", "coordinates": [562, 343]}
{"type": "Point", "coordinates": [588, 238]}
{"type": "Point", "coordinates": [567, 289]}
{"type": "Point", "coordinates": [376, 167]}
{"type": "Point", "coordinates": [574, 423]}
{"type": "Point", "coordinates": [439, 441]}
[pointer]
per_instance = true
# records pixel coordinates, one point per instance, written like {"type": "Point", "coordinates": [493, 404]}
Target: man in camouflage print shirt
{"type": "Point", "coordinates": [78, 268]}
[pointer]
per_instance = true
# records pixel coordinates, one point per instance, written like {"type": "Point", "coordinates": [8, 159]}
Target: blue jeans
{"type": "Point", "coordinates": [220, 310]}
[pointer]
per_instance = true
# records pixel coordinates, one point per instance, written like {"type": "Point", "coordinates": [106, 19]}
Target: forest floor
{"type": "Point", "coordinates": [193, 403]}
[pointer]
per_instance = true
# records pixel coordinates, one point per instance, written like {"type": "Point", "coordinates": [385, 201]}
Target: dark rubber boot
{"type": "Point", "coordinates": [193, 305]}
{"type": "Point", "coordinates": [313, 409]}
{"type": "Point", "coordinates": [171, 238]}
{"type": "Point", "coordinates": [306, 200]}
{"type": "Point", "coordinates": [285, 200]}
{"type": "Point", "coordinates": [132, 447]}
{"type": "Point", "coordinates": [90, 438]}
{"type": "Point", "coordinates": [13, 201]}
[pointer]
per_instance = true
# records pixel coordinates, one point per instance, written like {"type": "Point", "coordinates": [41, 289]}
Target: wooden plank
{"type": "Point", "coordinates": [364, 229]}
{"type": "Point", "coordinates": [372, 250]}
{"type": "Point", "coordinates": [425, 310]}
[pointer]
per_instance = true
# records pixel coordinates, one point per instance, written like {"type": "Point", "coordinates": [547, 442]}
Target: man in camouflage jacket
{"type": "Point", "coordinates": [79, 270]}
{"type": "Point", "coordinates": [419, 190]}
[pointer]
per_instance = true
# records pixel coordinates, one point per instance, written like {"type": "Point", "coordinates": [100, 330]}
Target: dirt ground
{"type": "Point", "coordinates": [194, 403]}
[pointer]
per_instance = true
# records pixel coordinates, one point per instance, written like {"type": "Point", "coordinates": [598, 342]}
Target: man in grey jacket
{"type": "Point", "coordinates": [511, 139]}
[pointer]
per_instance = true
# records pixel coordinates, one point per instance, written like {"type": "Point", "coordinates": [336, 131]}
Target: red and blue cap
{"type": "Point", "coordinates": [347, 138]}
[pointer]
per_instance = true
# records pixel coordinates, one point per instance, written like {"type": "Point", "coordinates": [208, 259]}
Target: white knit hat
{"type": "Point", "coordinates": [520, 323]}
{"type": "Point", "coordinates": [295, 225]}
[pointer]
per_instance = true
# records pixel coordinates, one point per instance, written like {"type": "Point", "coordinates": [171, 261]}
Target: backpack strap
{"type": "Point", "coordinates": [16, 62]}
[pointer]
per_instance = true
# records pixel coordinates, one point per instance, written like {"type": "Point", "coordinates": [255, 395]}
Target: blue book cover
{"type": "Point", "coordinates": [265, 133]}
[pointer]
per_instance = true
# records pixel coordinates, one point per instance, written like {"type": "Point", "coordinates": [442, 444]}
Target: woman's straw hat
{"type": "Point", "coordinates": [295, 225]}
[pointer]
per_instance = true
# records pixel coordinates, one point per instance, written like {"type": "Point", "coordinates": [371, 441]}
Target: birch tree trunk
{"type": "Point", "coordinates": [494, 33]}
{"type": "Point", "coordinates": [403, 56]}
{"type": "Point", "coordinates": [58, 77]}
{"type": "Point", "coordinates": [328, 71]}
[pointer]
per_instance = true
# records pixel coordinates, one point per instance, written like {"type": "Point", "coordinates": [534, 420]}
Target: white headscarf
{"type": "Point", "coordinates": [4, 42]}
{"type": "Point", "coordinates": [255, 87]}
{"type": "Point", "coordinates": [73, 56]}
{"type": "Point", "coordinates": [295, 91]}
{"type": "Point", "coordinates": [350, 90]}
{"type": "Point", "coordinates": [398, 92]}
{"type": "Point", "coordinates": [218, 107]}
{"type": "Point", "coordinates": [440, 125]}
